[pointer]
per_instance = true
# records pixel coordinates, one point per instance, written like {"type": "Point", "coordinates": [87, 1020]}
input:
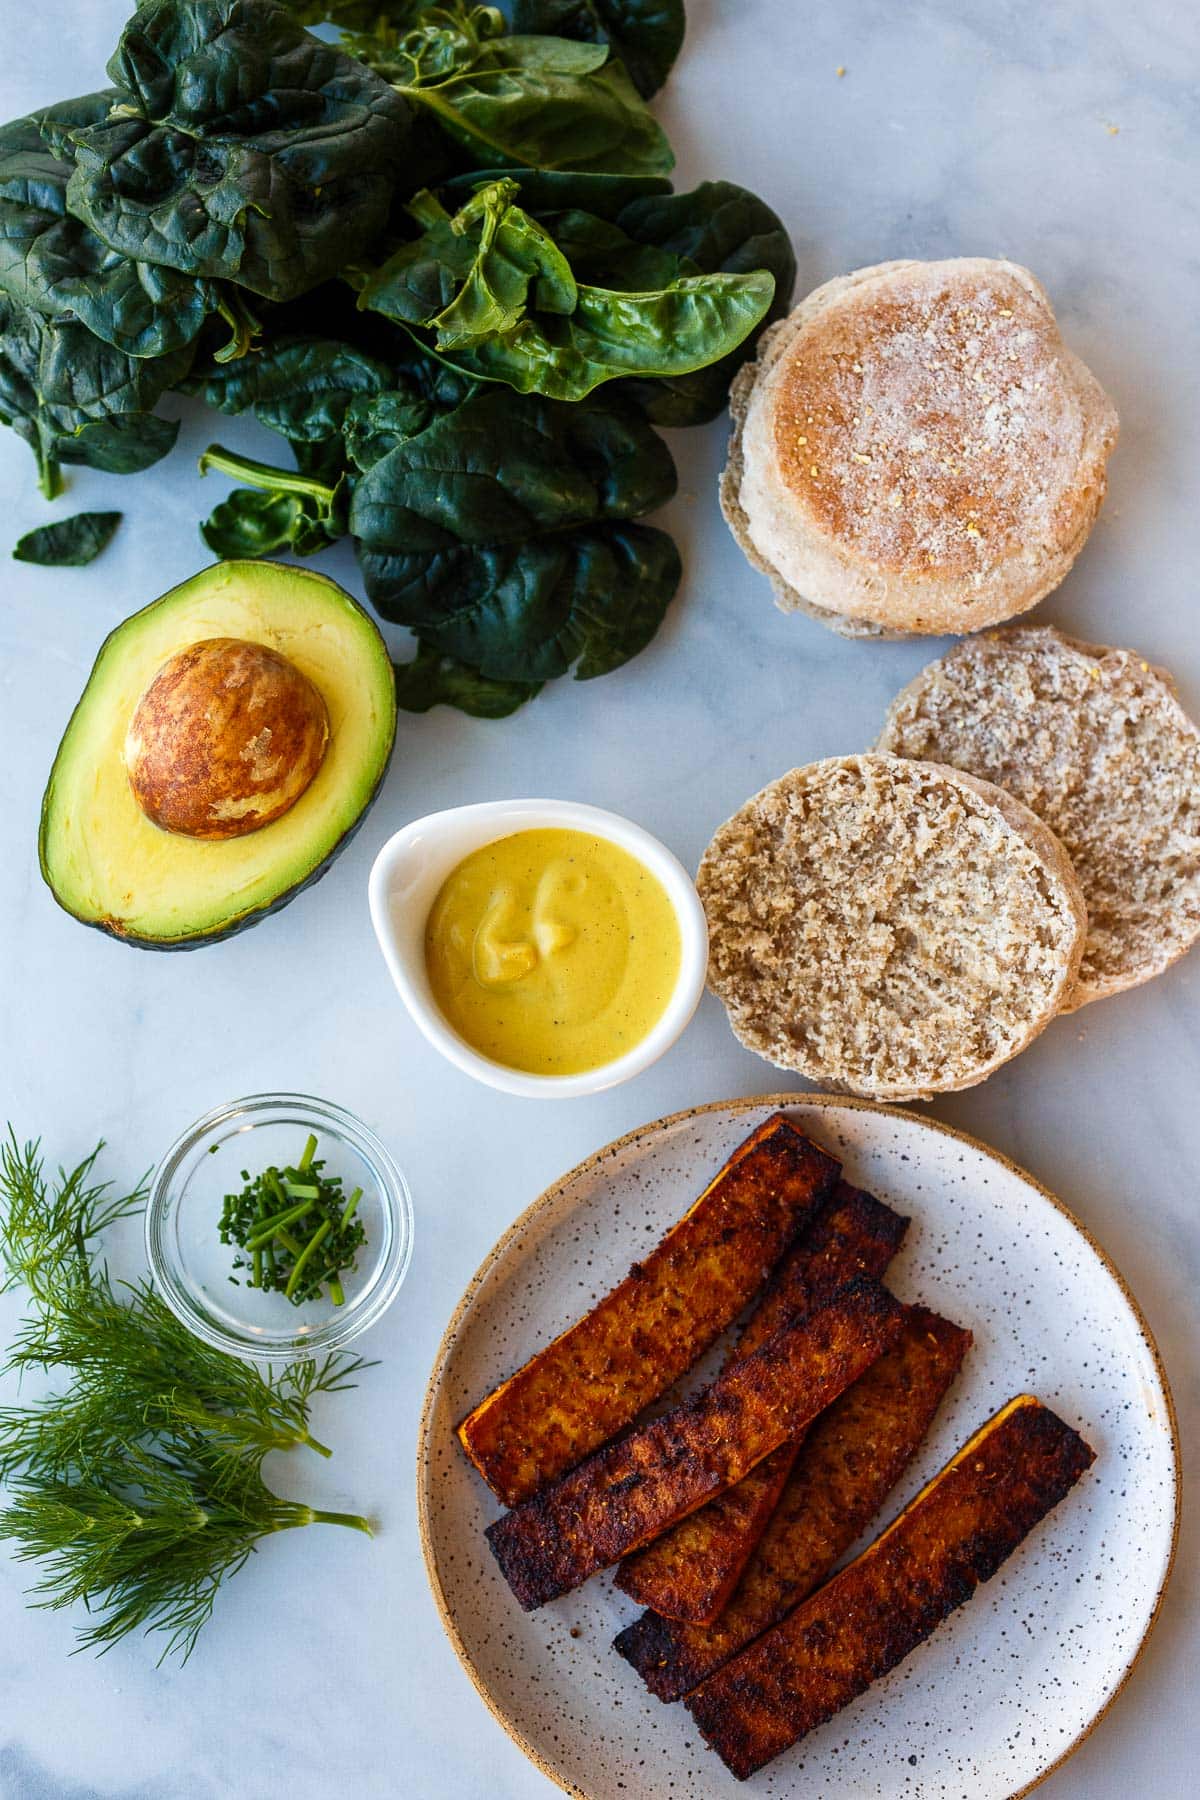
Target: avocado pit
{"type": "Point", "coordinates": [225, 739]}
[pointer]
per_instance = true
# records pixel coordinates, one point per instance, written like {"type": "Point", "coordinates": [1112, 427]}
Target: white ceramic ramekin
{"type": "Point", "coordinates": [410, 870]}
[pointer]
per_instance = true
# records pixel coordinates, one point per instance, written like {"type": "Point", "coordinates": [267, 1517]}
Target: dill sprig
{"type": "Point", "coordinates": [139, 1484]}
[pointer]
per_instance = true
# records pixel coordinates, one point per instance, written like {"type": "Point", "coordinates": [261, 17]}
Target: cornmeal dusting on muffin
{"type": "Point", "coordinates": [951, 392]}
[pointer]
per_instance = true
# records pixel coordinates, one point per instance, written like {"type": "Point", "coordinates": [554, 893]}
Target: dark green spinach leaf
{"type": "Point", "coordinates": [432, 679]}
{"type": "Point", "coordinates": [546, 192]}
{"type": "Point", "coordinates": [239, 147]}
{"type": "Point", "coordinates": [76, 399]}
{"type": "Point", "coordinates": [647, 35]}
{"type": "Point", "coordinates": [52, 263]}
{"type": "Point", "coordinates": [298, 386]}
{"type": "Point", "coordinates": [282, 510]}
{"type": "Point", "coordinates": [498, 534]}
{"type": "Point", "coordinates": [354, 15]}
{"type": "Point", "coordinates": [716, 226]}
{"type": "Point", "coordinates": [538, 102]}
{"type": "Point", "coordinates": [591, 597]}
{"type": "Point", "coordinates": [68, 543]}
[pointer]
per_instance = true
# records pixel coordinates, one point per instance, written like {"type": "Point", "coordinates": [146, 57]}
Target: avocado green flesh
{"type": "Point", "coordinates": [104, 860]}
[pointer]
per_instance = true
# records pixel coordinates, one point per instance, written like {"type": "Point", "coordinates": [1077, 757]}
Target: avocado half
{"type": "Point", "coordinates": [103, 859]}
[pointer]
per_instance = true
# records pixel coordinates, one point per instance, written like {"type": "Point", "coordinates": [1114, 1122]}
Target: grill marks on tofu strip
{"type": "Point", "coordinates": [634, 1489]}
{"type": "Point", "coordinates": [851, 1458]}
{"type": "Point", "coordinates": [690, 1571]}
{"type": "Point", "coordinates": [860, 1625]}
{"type": "Point", "coordinates": [593, 1380]}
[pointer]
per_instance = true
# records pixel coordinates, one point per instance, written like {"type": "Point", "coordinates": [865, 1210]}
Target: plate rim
{"type": "Point", "coordinates": [745, 1103]}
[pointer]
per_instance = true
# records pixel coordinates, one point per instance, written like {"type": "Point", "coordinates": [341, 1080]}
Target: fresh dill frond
{"type": "Point", "coordinates": [50, 1233]}
{"type": "Point", "coordinates": [138, 1485]}
{"type": "Point", "coordinates": [148, 1550]}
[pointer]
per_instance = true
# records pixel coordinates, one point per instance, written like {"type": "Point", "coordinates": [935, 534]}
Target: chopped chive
{"type": "Point", "coordinates": [318, 1237]}
{"type": "Point", "coordinates": [295, 1230]}
{"type": "Point", "coordinates": [270, 1227]}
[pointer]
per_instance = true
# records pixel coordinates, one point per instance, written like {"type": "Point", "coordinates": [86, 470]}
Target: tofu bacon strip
{"type": "Point", "coordinates": [594, 1379]}
{"type": "Point", "coordinates": [860, 1625]}
{"type": "Point", "coordinates": [628, 1492]}
{"type": "Point", "coordinates": [690, 1571]}
{"type": "Point", "coordinates": [850, 1460]}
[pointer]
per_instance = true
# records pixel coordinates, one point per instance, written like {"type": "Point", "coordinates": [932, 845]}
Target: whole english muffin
{"type": "Point", "coordinates": [915, 450]}
{"type": "Point", "coordinates": [1096, 743]}
{"type": "Point", "coordinates": [892, 928]}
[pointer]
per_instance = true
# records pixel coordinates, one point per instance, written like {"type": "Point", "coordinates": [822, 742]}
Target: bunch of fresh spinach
{"type": "Point", "coordinates": [434, 247]}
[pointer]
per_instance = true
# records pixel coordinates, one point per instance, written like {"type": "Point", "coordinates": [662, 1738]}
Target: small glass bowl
{"type": "Point", "coordinates": [192, 1267]}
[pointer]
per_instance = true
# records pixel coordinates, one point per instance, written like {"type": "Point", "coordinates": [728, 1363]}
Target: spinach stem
{"type": "Point", "coordinates": [264, 475]}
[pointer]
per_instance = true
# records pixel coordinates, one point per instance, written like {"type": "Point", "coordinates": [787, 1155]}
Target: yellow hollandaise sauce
{"type": "Point", "coordinates": [553, 952]}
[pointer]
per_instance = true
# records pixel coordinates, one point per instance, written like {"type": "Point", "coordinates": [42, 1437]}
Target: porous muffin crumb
{"type": "Point", "coordinates": [1096, 743]}
{"type": "Point", "coordinates": [889, 927]}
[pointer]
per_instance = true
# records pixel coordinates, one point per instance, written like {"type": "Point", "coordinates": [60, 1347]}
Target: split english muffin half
{"type": "Point", "coordinates": [889, 927]}
{"type": "Point", "coordinates": [916, 451]}
{"type": "Point", "coordinates": [1095, 742]}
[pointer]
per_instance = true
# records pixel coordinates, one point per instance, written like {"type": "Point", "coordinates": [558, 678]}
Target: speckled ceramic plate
{"type": "Point", "coordinates": [1015, 1679]}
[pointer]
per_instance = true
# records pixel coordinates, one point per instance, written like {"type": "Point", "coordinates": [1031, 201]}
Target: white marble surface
{"type": "Point", "coordinates": [960, 126]}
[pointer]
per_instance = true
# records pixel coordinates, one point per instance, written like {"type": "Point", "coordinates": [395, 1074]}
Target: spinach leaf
{"type": "Point", "coordinates": [593, 597]}
{"type": "Point", "coordinates": [498, 534]}
{"type": "Point", "coordinates": [53, 263]}
{"type": "Point", "coordinates": [541, 102]}
{"type": "Point", "coordinates": [353, 15]}
{"type": "Point", "coordinates": [68, 543]}
{"type": "Point", "coordinates": [470, 277]}
{"type": "Point", "coordinates": [717, 226]}
{"type": "Point", "coordinates": [496, 471]}
{"type": "Point", "coordinates": [76, 399]}
{"type": "Point", "coordinates": [123, 444]}
{"type": "Point", "coordinates": [373, 427]}
{"type": "Point", "coordinates": [251, 523]}
{"type": "Point", "coordinates": [484, 284]}
{"type": "Point", "coordinates": [669, 331]}
{"type": "Point", "coordinates": [647, 35]}
{"type": "Point", "coordinates": [282, 510]}
{"type": "Point", "coordinates": [239, 147]}
{"type": "Point", "coordinates": [298, 386]}
{"type": "Point", "coordinates": [544, 192]}
{"type": "Point", "coordinates": [431, 679]}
